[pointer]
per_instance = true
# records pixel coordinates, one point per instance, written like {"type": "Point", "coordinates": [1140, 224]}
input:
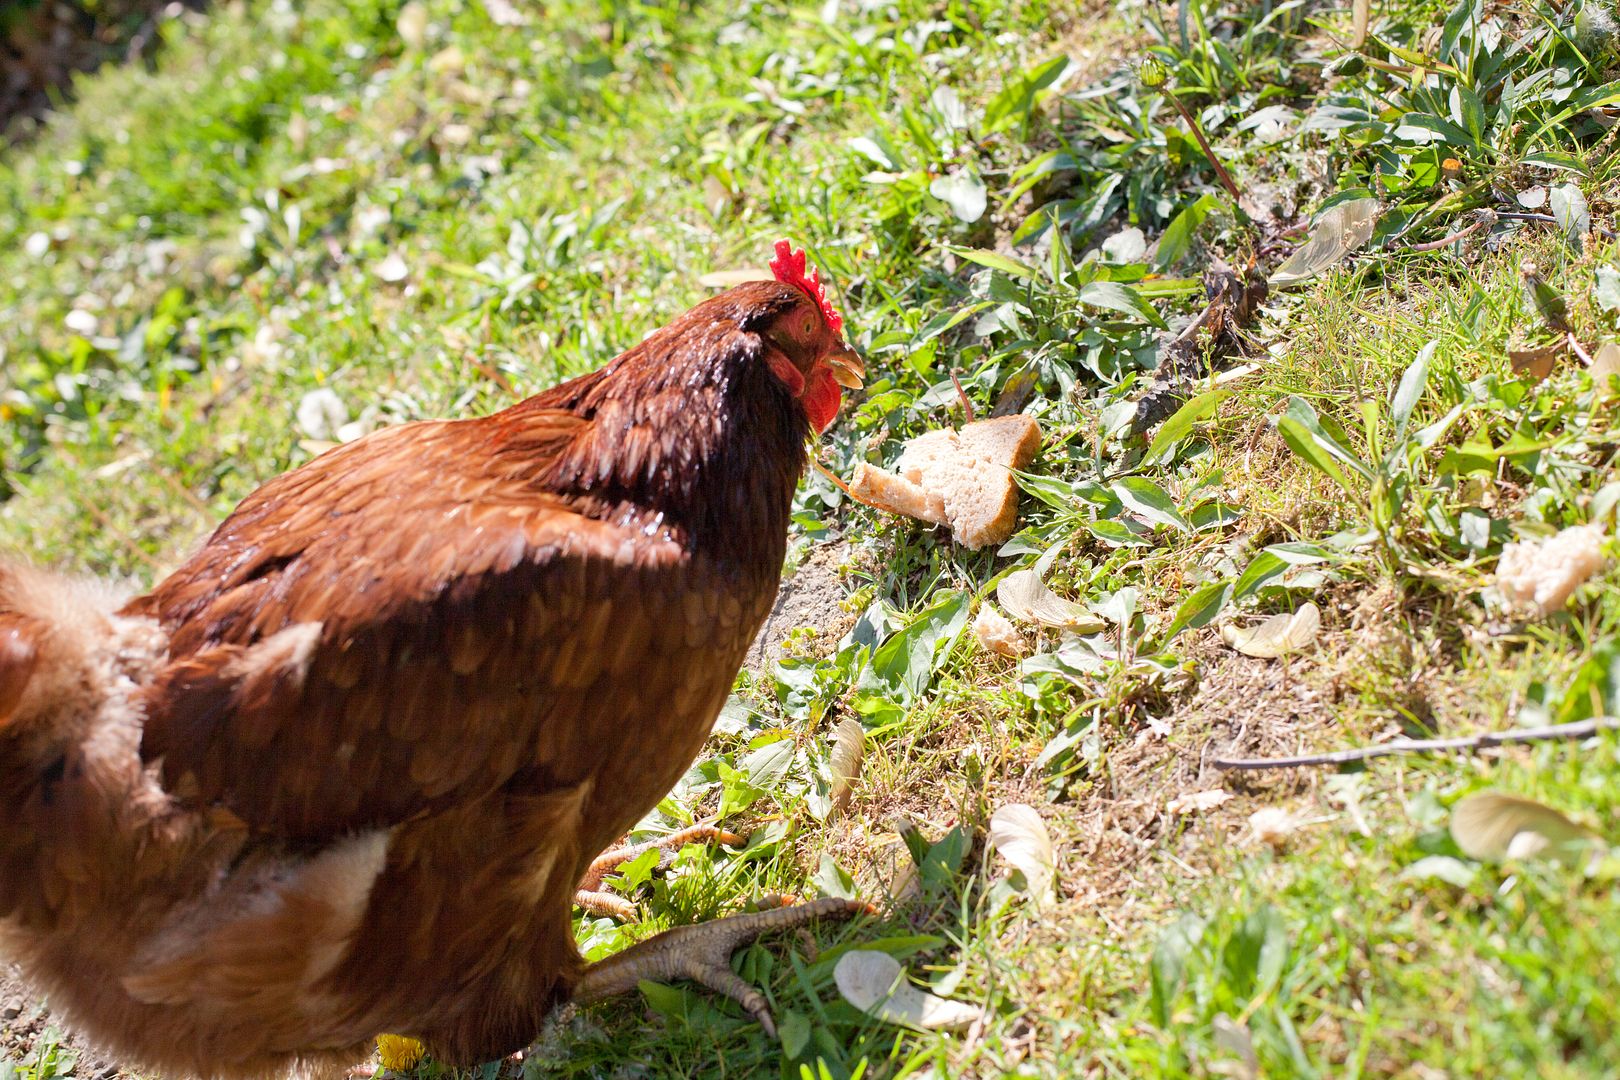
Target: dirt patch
{"type": "Point", "coordinates": [26, 1023]}
{"type": "Point", "coordinates": [811, 596]}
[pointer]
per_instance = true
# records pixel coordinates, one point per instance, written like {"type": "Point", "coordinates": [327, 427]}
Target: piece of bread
{"type": "Point", "coordinates": [886, 491]}
{"type": "Point", "coordinates": [1012, 441]}
{"type": "Point", "coordinates": [997, 634]}
{"type": "Point", "coordinates": [961, 478]}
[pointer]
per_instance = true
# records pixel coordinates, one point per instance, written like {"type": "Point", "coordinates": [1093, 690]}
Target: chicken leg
{"type": "Point", "coordinates": [593, 898]}
{"type": "Point", "coordinates": [702, 953]}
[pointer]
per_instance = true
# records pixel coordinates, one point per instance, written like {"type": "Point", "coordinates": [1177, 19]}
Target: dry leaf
{"type": "Point", "coordinates": [1606, 362]}
{"type": "Point", "coordinates": [1491, 826]}
{"type": "Point", "coordinates": [875, 983]}
{"type": "Point", "coordinates": [1026, 598]}
{"type": "Point", "coordinates": [1278, 635]}
{"type": "Point", "coordinates": [1538, 362]}
{"type": "Point", "coordinates": [848, 751]}
{"type": "Point", "coordinates": [1234, 1037]}
{"type": "Point", "coordinates": [1544, 575]}
{"type": "Point", "coordinates": [1338, 232]}
{"type": "Point", "coordinates": [1019, 834]}
{"type": "Point", "coordinates": [998, 635]}
{"type": "Point", "coordinates": [1197, 801]}
{"type": "Point", "coordinates": [725, 279]}
{"type": "Point", "coordinates": [412, 24]}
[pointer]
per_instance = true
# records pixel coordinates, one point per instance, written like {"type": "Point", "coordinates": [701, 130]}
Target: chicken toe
{"type": "Point", "coordinates": [598, 901]}
{"type": "Point", "coordinates": [702, 953]}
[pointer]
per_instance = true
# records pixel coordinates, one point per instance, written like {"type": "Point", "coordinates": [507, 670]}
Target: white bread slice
{"type": "Point", "coordinates": [1012, 441]}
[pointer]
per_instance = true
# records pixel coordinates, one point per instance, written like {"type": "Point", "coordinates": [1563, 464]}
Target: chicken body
{"type": "Point", "coordinates": [340, 773]}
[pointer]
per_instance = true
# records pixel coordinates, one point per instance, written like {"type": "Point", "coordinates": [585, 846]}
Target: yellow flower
{"type": "Point", "coordinates": [398, 1052]}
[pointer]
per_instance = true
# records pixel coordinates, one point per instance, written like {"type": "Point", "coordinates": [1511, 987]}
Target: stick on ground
{"type": "Point", "coordinates": [1580, 729]}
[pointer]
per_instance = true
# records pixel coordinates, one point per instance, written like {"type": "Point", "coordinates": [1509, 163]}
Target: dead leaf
{"type": "Point", "coordinates": [848, 751]}
{"type": "Point", "coordinates": [1492, 826]}
{"type": "Point", "coordinates": [1026, 598]}
{"type": "Point", "coordinates": [1233, 1036]}
{"type": "Point", "coordinates": [725, 279]}
{"type": "Point", "coordinates": [875, 983]}
{"type": "Point", "coordinates": [412, 24]}
{"type": "Point", "coordinates": [1019, 834]}
{"type": "Point", "coordinates": [1536, 362]}
{"type": "Point", "coordinates": [1343, 228]}
{"type": "Point", "coordinates": [1606, 362]}
{"type": "Point", "coordinates": [1197, 801]}
{"type": "Point", "coordinates": [1278, 635]}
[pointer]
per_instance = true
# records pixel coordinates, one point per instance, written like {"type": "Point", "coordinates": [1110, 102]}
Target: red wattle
{"type": "Point", "coordinates": [822, 396]}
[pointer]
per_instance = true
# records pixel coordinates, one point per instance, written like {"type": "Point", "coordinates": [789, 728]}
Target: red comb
{"type": "Point", "coordinates": [789, 266]}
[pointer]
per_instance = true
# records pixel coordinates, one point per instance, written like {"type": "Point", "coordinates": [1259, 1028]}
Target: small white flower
{"type": "Point", "coordinates": [392, 268]}
{"type": "Point", "coordinates": [81, 322]}
{"type": "Point", "coordinates": [321, 413]}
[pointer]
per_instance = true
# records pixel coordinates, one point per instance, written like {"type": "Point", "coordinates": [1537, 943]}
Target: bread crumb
{"type": "Point", "coordinates": [1542, 575]}
{"type": "Point", "coordinates": [1196, 801]}
{"type": "Point", "coordinates": [1273, 825]}
{"type": "Point", "coordinates": [997, 634]}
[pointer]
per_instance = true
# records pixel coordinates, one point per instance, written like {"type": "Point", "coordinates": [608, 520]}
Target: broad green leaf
{"type": "Point", "coordinates": [1410, 389]}
{"type": "Point", "coordinates": [1303, 443]}
{"type": "Point", "coordinates": [1005, 264]}
{"type": "Point", "coordinates": [1329, 435]}
{"type": "Point", "coordinates": [1200, 608]}
{"type": "Point", "coordinates": [1182, 422]}
{"type": "Point", "coordinates": [1176, 240]}
{"type": "Point", "coordinates": [1607, 291]}
{"type": "Point", "coordinates": [1150, 501]}
{"type": "Point", "coordinates": [1121, 298]}
{"type": "Point", "coordinates": [903, 666]}
{"type": "Point", "coordinates": [964, 193]}
{"type": "Point", "coordinates": [1017, 97]}
{"type": "Point", "coordinates": [1169, 963]}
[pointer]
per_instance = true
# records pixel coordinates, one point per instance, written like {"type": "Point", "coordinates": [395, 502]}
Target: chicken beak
{"type": "Point", "coordinates": [848, 369]}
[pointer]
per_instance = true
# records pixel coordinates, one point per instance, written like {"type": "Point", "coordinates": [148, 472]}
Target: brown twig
{"type": "Point", "coordinates": [1209, 151]}
{"type": "Point", "coordinates": [1580, 353]}
{"type": "Point", "coordinates": [834, 477]}
{"type": "Point", "coordinates": [967, 406]}
{"type": "Point", "coordinates": [1447, 241]}
{"type": "Point", "coordinates": [1580, 729]}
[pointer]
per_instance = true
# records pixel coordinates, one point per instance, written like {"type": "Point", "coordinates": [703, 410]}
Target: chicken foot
{"type": "Point", "coordinates": [702, 953]}
{"type": "Point", "coordinates": [596, 900]}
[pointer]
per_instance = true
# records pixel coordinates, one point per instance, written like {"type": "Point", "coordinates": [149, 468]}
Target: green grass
{"type": "Point", "coordinates": [231, 223]}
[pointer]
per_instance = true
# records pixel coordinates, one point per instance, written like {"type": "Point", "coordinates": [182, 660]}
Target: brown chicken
{"type": "Point", "coordinates": [342, 772]}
